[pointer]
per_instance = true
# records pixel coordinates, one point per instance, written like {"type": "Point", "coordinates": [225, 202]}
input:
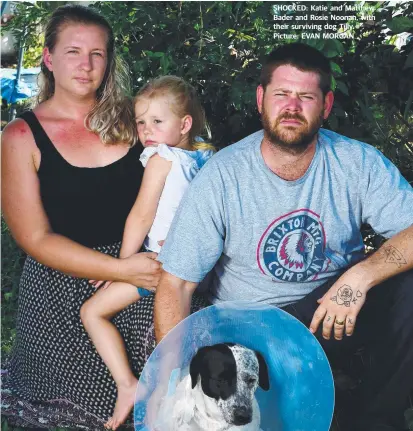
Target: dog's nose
{"type": "Point", "coordinates": [242, 416]}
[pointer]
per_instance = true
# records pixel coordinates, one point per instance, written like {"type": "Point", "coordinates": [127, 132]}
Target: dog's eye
{"type": "Point", "coordinates": [251, 381]}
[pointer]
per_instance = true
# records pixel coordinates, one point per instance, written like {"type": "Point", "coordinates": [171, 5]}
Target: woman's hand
{"type": "Point", "coordinates": [100, 283]}
{"type": "Point", "coordinates": [141, 270]}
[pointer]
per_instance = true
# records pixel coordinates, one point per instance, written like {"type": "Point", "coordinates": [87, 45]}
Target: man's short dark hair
{"type": "Point", "coordinates": [301, 56]}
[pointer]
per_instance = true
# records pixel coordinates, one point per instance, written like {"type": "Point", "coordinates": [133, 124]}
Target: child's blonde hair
{"type": "Point", "coordinates": [185, 102]}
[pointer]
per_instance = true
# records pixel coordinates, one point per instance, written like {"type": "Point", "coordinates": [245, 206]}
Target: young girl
{"type": "Point", "coordinates": [168, 117]}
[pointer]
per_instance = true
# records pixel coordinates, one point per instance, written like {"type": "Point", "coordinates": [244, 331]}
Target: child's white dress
{"type": "Point", "coordinates": [185, 165]}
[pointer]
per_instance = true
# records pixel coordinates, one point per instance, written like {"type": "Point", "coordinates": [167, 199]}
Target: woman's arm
{"type": "Point", "coordinates": [143, 212]}
{"type": "Point", "coordinates": [29, 225]}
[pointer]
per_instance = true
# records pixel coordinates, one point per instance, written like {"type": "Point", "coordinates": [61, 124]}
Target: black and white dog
{"type": "Point", "coordinates": [218, 393]}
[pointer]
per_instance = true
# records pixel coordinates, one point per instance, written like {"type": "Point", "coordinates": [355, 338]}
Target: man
{"type": "Point", "coordinates": [279, 213]}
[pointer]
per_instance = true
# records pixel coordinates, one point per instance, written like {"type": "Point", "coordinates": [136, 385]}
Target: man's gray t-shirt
{"type": "Point", "coordinates": [273, 240]}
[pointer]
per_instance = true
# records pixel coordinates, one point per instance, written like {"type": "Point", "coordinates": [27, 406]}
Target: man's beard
{"type": "Point", "coordinates": [295, 139]}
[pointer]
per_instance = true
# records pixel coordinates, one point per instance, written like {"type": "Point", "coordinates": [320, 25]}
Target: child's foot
{"type": "Point", "coordinates": [123, 406]}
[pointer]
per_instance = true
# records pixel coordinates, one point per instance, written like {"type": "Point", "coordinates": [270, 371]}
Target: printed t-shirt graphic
{"type": "Point", "coordinates": [292, 247]}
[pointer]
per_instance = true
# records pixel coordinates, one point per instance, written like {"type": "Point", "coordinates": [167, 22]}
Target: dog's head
{"type": "Point", "coordinates": [230, 374]}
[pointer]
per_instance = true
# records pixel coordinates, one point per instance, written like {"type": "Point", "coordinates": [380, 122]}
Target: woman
{"type": "Point", "coordinates": [70, 175]}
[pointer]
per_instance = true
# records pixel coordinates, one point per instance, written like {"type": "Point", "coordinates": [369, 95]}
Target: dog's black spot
{"type": "Point", "coordinates": [217, 367]}
{"type": "Point", "coordinates": [264, 378]}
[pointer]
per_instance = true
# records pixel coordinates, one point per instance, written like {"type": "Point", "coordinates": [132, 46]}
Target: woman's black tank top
{"type": "Point", "coordinates": [87, 205]}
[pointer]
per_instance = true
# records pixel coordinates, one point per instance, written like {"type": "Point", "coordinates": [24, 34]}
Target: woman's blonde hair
{"type": "Point", "coordinates": [184, 102]}
{"type": "Point", "coordinates": [112, 118]}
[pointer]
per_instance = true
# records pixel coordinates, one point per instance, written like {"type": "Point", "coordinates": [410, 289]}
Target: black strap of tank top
{"type": "Point", "coordinates": [43, 142]}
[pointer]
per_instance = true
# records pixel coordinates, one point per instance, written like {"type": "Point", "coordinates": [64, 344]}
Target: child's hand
{"type": "Point", "coordinates": [100, 283]}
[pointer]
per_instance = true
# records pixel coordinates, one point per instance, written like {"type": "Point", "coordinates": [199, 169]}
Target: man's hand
{"type": "Point", "coordinates": [340, 306]}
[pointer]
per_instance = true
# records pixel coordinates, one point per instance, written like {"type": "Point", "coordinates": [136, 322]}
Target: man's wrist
{"type": "Point", "coordinates": [365, 272]}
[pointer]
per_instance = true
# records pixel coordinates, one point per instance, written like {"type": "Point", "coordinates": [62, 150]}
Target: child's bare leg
{"type": "Point", "coordinates": [96, 314]}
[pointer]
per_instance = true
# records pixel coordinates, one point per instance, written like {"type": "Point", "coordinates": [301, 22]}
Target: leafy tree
{"type": "Point", "coordinates": [26, 26]}
{"type": "Point", "coordinates": [219, 47]}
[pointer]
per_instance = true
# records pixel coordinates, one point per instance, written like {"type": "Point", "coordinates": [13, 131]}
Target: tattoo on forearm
{"type": "Point", "coordinates": [345, 296]}
{"type": "Point", "coordinates": [392, 255]}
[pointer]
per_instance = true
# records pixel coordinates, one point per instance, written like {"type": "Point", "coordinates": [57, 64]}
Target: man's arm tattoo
{"type": "Point", "coordinates": [392, 255]}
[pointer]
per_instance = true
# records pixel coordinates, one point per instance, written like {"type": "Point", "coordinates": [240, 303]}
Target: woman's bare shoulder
{"type": "Point", "coordinates": [17, 140]}
{"type": "Point", "coordinates": [17, 132]}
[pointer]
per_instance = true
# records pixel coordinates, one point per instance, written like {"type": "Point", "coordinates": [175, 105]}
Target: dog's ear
{"type": "Point", "coordinates": [264, 378]}
{"type": "Point", "coordinates": [196, 365]}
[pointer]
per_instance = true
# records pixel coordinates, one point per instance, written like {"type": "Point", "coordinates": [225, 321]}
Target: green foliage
{"type": "Point", "coordinates": [27, 28]}
{"type": "Point", "coordinates": [11, 259]}
{"type": "Point", "coordinates": [219, 47]}
{"type": "Point", "coordinates": [376, 108]}
{"type": "Point", "coordinates": [213, 45]}
{"type": "Point", "coordinates": [400, 24]}
{"type": "Point", "coordinates": [6, 427]}
{"type": "Point", "coordinates": [33, 54]}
